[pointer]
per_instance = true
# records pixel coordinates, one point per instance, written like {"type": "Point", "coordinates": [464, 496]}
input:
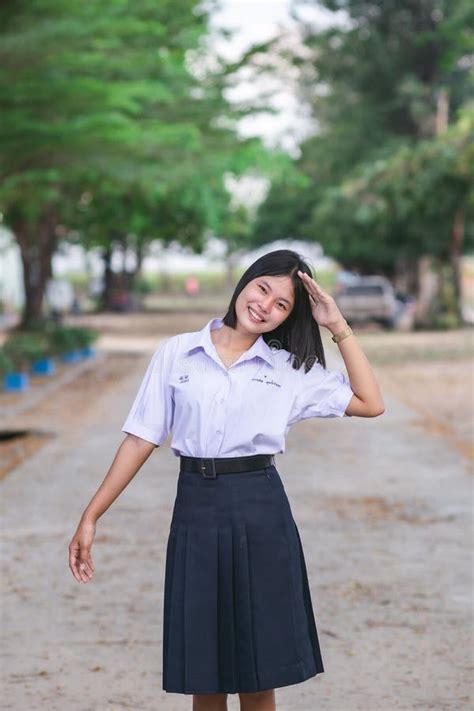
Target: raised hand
{"type": "Point", "coordinates": [323, 307]}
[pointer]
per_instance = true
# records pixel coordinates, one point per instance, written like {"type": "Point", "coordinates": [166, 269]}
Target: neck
{"type": "Point", "coordinates": [234, 339]}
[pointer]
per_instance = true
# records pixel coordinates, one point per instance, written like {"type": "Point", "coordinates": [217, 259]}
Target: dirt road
{"type": "Point", "coordinates": [383, 509]}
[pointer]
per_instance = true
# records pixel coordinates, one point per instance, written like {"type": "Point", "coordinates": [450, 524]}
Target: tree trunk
{"type": "Point", "coordinates": [139, 254]}
{"type": "Point", "coordinates": [106, 298]}
{"type": "Point", "coordinates": [37, 244]}
{"type": "Point", "coordinates": [405, 277]}
{"type": "Point", "coordinates": [134, 274]}
{"type": "Point", "coordinates": [455, 248]}
{"type": "Point", "coordinates": [442, 112]}
{"type": "Point", "coordinates": [123, 246]}
{"type": "Point", "coordinates": [428, 288]}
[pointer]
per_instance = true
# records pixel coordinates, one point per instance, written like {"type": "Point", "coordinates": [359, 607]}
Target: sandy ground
{"type": "Point", "coordinates": [383, 507]}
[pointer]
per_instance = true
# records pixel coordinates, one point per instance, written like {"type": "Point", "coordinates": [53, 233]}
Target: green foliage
{"type": "Point", "coordinates": [44, 340]}
{"type": "Point", "coordinates": [21, 349]}
{"type": "Point", "coordinates": [114, 128]}
{"type": "Point", "coordinates": [403, 205]}
{"type": "Point", "coordinates": [82, 336]}
{"type": "Point", "coordinates": [444, 312]}
{"type": "Point", "coordinates": [99, 90]}
{"type": "Point", "coordinates": [383, 67]}
{"type": "Point", "coordinates": [6, 363]}
{"type": "Point", "coordinates": [285, 210]}
{"type": "Point", "coordinates": [379, 185]}
{"type": "Point", "coordinates": [63, 339]}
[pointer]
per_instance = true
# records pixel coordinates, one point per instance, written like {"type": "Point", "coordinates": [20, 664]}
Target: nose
{"type": "Point", "coordinates": [266, 303]}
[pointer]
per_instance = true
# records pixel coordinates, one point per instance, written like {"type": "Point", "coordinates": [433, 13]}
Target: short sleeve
{"type": "Point", "coordinates": [321, 393]}
{"type": "Point", "coordinates": [151, 414]}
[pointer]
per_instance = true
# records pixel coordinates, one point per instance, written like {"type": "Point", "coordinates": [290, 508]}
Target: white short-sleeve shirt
{"type": "Point", "coordinates": [214, 411]}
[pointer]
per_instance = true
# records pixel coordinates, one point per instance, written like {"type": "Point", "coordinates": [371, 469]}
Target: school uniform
{"type": "Point", "coordinates": [238, 615]}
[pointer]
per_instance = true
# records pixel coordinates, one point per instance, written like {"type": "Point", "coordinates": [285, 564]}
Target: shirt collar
{"type": "Point", "coordinates": [203, 339]}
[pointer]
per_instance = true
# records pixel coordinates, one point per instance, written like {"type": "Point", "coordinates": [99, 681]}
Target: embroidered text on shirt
{"type": "Point", "coordinates": [267, 382]}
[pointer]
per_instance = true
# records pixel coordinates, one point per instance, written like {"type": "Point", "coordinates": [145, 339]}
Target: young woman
{"type": "Point", "coordinates": [238, 616]}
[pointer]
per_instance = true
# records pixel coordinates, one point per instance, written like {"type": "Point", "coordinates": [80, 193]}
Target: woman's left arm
{"type": "Point", "coordinates": [367, 399]}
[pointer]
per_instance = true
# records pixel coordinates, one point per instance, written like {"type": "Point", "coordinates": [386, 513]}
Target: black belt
{"type": "Point", "coordinates": [209, 467]}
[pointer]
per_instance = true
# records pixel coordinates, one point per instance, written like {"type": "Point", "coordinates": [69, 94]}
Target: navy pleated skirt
{"type": "Point", "coordinates": [238, 615]}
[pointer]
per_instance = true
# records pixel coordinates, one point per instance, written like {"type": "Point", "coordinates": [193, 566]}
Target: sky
{"type": "Point", "coordinates": [256, 21]}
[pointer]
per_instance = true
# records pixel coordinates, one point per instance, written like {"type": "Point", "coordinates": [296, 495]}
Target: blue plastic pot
{"type": "Point", "coordinates": [43, 366]}
{"type": "Point", "coordinates": [71, 356]}
{"type": "Point", "coordinates": [16, 382]}
{"type": "Point", "coordinates": [88, 352]}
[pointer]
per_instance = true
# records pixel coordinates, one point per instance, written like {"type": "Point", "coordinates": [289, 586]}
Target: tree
{"type": "Point", "coordinates": [378, 84]}
{"type": "Point", "coordinates": [104, 104]}
{"type": "Point", "coordinates": [378, 76]}
{"type": "Point", "coordinates": [414, 203]}
{"type": "Point", "coordinates": [110, 216]}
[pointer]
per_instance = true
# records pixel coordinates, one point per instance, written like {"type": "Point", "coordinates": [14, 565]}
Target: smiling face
{"type": "Point", "coordinates": [265, 303]}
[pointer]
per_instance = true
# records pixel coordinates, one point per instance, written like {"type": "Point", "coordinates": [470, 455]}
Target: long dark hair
{"type": "Point", "coordinates": [299, 333]}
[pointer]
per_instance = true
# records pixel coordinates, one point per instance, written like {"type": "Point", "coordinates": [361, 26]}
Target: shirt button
{"type": "Point", "coordinates": [218, 431]}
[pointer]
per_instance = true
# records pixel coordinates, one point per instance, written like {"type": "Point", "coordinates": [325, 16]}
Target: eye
{"type": "Point", "coordinates": [283, 306]}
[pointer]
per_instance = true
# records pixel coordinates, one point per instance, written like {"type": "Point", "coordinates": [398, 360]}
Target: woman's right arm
{"type": "Point", "coordinates": [130, 456]}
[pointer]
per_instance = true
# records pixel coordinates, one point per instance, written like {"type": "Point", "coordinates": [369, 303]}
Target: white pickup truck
{"type": "Point", "coordinates": [370, 298]}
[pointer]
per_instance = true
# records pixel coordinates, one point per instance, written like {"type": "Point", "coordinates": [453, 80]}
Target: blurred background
{"type": "Point", "coordinates": [146, 144]}
{"type": "Point", "coordinates": [151, 151]}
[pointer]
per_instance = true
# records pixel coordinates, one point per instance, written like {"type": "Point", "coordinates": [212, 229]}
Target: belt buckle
{"type": "Point", "coordinates": [207, 464]}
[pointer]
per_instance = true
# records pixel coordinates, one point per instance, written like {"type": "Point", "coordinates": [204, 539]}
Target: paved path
{"type": "Point", "coordinates": [383, 509]}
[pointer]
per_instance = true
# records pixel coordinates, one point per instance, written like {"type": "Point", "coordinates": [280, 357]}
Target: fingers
{"type": "Point", "coordinates": [80, 562]}
{"type": "Point", "coordinates": [312, 287]}
{"type": "Point", "coordinates": [86, 569]}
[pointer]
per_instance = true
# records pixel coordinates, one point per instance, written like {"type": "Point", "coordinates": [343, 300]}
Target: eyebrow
{"type": "Point", "coordinates": [269, 287]}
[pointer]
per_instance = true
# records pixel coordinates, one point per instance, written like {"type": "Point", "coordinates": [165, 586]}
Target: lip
{"type": "Point", "coordinates": [251, 317]}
